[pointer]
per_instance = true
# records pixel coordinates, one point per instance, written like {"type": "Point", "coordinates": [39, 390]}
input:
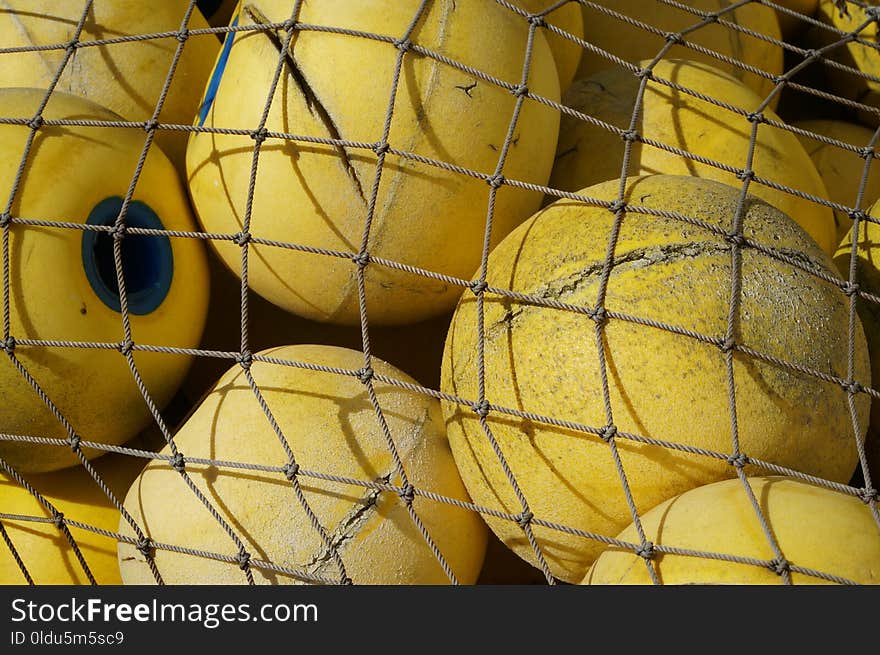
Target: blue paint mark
{"type": "Point", "coordinates": [219, 68]}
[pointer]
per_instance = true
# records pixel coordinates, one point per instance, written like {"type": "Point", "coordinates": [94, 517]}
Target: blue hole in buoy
{"type": "Point", "coordinates": [147, 260]}
{"type": "Point", "coordinates": [214, 82]}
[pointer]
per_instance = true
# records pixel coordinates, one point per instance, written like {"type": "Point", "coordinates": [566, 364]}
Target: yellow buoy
{"type": "Point", "coordinates": [858, 80]}
{"type": "Point", "coordinates": [568, 18]}
{"type": "Point", "coordinates": [670, 118]}
{"type": "Point", "coordinates": [330, 425]}
{"type": "Point", "coordinates": [316, 195]}
{"type": "Point", "coordinates": [867, 277]}
{"type": "Point", "coordinates": [42, 547]}
{"type": "Point", "coordinates": [127, 77]}
{"type": "Point", "coordinates": [842, 170]}
{"type": "Point", "coordinates": [665, 385]}
{"type": "Point", "coordinates": [725, 44]}
{"type": "Point", "coordinates": [829, 533]}
{"type": "Point", "coordinates": [63, 281]}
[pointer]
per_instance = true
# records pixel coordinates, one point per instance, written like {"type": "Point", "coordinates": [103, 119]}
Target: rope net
{"type": "Point", "coordinates": [685, 300]}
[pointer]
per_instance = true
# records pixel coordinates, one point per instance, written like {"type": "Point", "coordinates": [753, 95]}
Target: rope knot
{"type": "Point", "coordinates": [873, 12]}
{"type": "Point", "coordinates": [291, 469]}
{"type": "Point", "coordinates": [365, 374]}
{"type": "Point", "coordinates": [182, 35]}
{"type": "Point", "coordinates": [244, 359]}
{"type": "Point", "coordinates": [852, 387]}
{"type": "Point", "coordinates": [151, 125]}
{"type": "Point", "coordinates": [524, 518]}
{"type": "Point", "coordinates": [735, 239]}
{"type": "Point", "coordinates": [738, 461]}
{"type": "Point", "coordinates": [403, 44]}
{"type": "Point", "coordinates": [727, 345]}
{"type": "Point", "coordinates": [5, 219]}
{"type": "Point", "coordinates": [481, 408]}
{"type": "Point", "coordinates": [117, 231]}
{"type": "Point", "coordinates": [779, 566]}
{"type": "Point", "coordinates": [178, 462]}
{"type": "Point", "coordinates": [145, 547]}
{"type": "Point", "coordinates": [617, 206]}
{"type": "Point", "coordinates": [361, 259]}
{"type": "Point", "coordinates": [674, 37]}
{"type": "Point", "coordinates": [866, 152]}
{"type": "Point", "coordinates": [260, 135]}
{"type": "Point", "coordinates": [608, 433]}
{"type": "Point", "coordinates": [520, 91]}
{"type": "Point", "coordinates": [242, 238]}
{"type": "Point", "coordinates": [755, 117]}
{"type": "Point", "coordinates": [630, 136]}
{"type": "Point", "coordinates": [57, 518]}
{"type": "Point", "coordinates": [745, 174]}
{"type": "Point", "coordinates": [495, 181]}
{"type": "Point", "coordinates": [36, 122]}
{"type": "Point", "coordinates": [643, 73]}
{"type": "Point", "coordinates": [851, 288]}
{"type": "Point", "coordinates": [243, 559]}
{"type": "Point", "coordinates": [868, 495]}
{"type": "Point", "coordinates": [407, 494]}
{"type": "Point", "coordinates": [9, 345]}
{"type": "Point", "coordinates": [600, 316]}
{"type": "Point", "coordinates": [381, 148]}
{"type": "Point", "coordinates": [126, 347]}
{"type": "Point", "coordinates": [74, 442]}
{"type": "Point", "coordinates": [646, 551]}
{"type": "Point", "coordinates": [478, 286]}
{"type": "Point", "coordinates": [812, 54]}
{"type": "Point", "coordinates": [537, 20]}
{"type": "Point", "coordinates": [857, 215]}
{"type": "Point", "coordinates": [289, 25]}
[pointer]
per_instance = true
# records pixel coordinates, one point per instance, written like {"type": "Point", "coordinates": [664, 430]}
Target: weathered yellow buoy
{"type": "Point", "coordinates": [331, 427]}
{"type": "Point", "coordinates": [663, 384]}
{"type": "Point", "coordinates": [127, 77]}
{"type": "Point", "coordinates": [63, 281]}
{"type": "Point", "coordinates": [831, 534]}
{"type": "Point", "coordinates": [316, 194]}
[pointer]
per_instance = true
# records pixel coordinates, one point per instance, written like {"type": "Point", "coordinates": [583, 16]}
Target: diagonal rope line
{"type": "Point", "coordinates": [361, 261]}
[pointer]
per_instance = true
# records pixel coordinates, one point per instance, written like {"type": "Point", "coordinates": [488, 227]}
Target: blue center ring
{"type": "Point", "coordinates": [147, 259]}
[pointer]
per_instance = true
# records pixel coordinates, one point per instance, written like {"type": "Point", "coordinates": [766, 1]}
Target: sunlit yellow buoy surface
{"type": "Point", "coordinates": [671, 121]}
{"type": "Point", "coordinates": [663, 385]}
{"type": "Point", "coordinates": [830, 533]}
{"type": "Point", "coordinates": [316, 195]}
{"type": "Point", "coordinates": [43, 548]}
{"type": "Point", "coordinates": [332, 429]}
{"type": "Point", "coordinates": [63, 282]}
{"type": "Point", "coordinates": [127, 77]}
{"type": "Point", "coordinates": [717, 43]}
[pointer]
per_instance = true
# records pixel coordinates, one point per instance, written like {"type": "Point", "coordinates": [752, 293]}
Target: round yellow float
{"type": "Point", "coordinates": [588, 154]}
{"type": "Point", "coordinates": [841, 170]}
{"type": "Point", "coordinates": [633, 44]}
{"type": "Point", "coordinates": [663, 385]}
{"type": "Point", "coordinates": [316, 195]}
{"type": "Point", "coordinates": [332, 429]}
{"type": "Point", "coordinates": [816, 528]}
{"type": "Point", "coordinates": [63, 281]}
{"type": "Point", "coordinates": [126, 77]}
{"type": "Point", "coordinates": [43, 548]}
